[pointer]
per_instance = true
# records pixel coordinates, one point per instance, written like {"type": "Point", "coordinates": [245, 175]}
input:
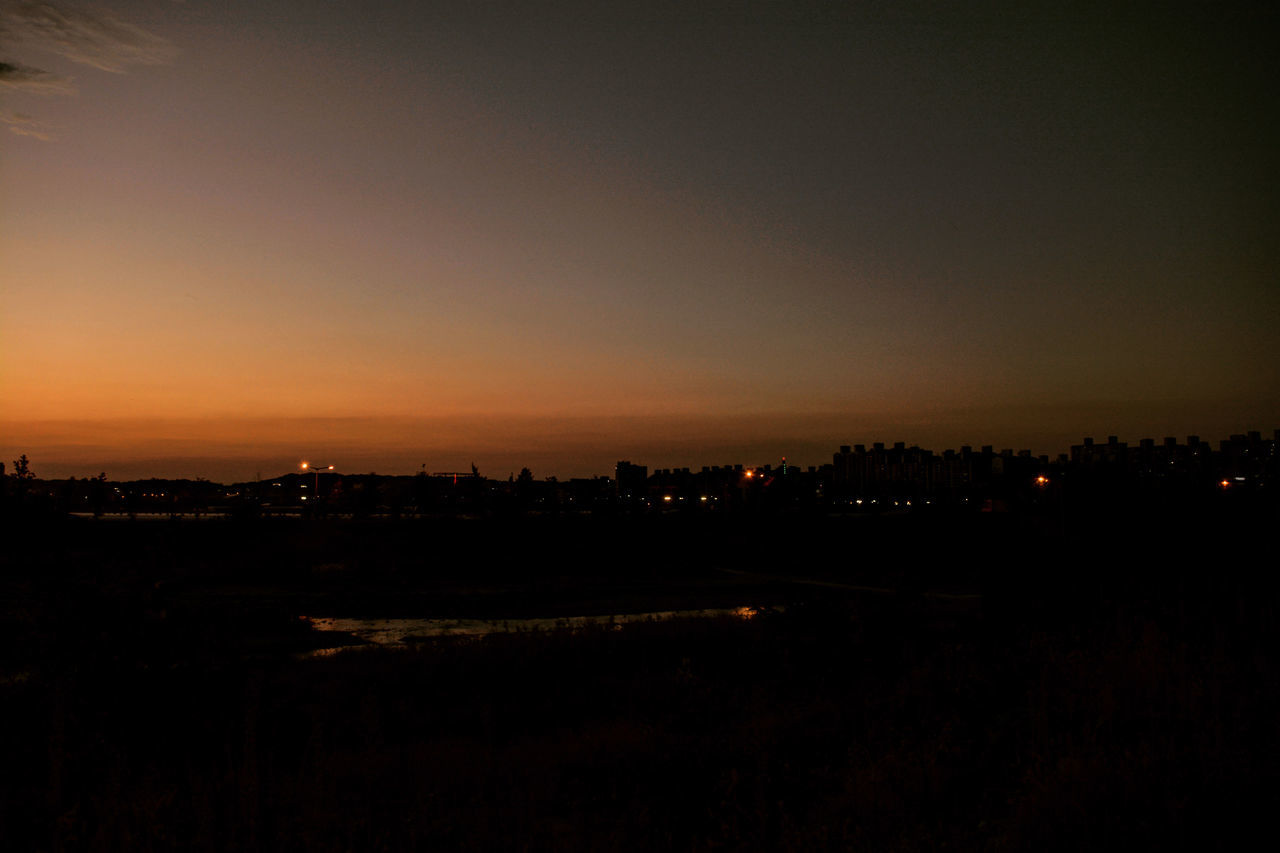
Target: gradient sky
{"type": "Point", "coordinates": [237, 234]}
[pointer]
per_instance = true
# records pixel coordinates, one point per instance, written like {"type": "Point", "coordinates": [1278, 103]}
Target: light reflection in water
{"type": "Point", "coordinates": [395, 632]}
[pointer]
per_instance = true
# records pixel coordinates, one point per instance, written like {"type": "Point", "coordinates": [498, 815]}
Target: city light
{"type": "Point", "coordinates": [315, 469]}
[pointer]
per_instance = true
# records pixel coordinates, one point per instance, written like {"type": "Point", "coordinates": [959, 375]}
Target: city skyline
{"type": "Point", "coordinates": [598, 460]}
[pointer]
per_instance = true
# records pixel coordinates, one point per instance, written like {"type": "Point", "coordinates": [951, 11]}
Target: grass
{"type": "Point", "coordinates": [1103, 704]}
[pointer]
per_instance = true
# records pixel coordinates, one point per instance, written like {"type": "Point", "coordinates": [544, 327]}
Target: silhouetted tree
{"type": "Point", "coordinates": [98, 492]}
{"type": "Point", "coordinates": [526, 476]}
{"type": "Point", "coordinates": [21, 469]}
{"type": "Point", "coordinates": [21, 478]}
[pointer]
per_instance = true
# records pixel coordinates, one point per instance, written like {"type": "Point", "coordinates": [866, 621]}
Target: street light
{"type": "Point", "coordinates": [316, 468]}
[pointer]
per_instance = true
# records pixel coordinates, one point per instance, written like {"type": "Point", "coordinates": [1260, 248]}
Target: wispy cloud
{"type": "Point", "coordinates": [94, 39]}
{"type": "Point", "coordinates": [26, 79]}
{"type": "Point", "coordinates": [90, 38]}
{"type": "Point", "coordinates": [25, 125]}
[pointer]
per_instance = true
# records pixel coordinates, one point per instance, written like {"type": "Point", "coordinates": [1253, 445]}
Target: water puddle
{"type": "Point", "coordinates": [402, 632]}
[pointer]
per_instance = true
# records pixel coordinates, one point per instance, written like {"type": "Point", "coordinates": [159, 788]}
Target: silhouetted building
{"type": "Point", "coordinates": [630, 479]}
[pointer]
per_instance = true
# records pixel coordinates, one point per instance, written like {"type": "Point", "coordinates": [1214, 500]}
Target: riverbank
{"type": "Point", "coordinates": [1112, 689]}
{"type": "Point", "coordinates": [810, 730]}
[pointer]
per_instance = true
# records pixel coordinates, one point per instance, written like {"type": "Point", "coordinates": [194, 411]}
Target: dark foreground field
{"type": "Point", "coordinates": [974, 683]}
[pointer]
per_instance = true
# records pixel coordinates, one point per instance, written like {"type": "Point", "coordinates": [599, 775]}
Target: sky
{"type": "Point", "coordinates": [400, 236]}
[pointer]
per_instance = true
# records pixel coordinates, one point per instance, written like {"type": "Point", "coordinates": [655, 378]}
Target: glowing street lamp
{"type": "Point", "coordinates": [307, 466]}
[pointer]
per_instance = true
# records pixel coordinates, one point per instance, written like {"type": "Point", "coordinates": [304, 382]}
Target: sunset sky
{"type": "Point", "coordinates": [391, 235]}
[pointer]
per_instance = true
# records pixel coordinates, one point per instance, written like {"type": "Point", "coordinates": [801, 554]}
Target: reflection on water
{"type": "Point", "coordinates": [393, 632]}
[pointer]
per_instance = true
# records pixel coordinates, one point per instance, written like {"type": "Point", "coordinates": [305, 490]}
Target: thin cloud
{"type": "Point", "coordinates": [87, 38]}
{"type": "Point", "coordinates": [25, 125]}
{"type": "Point", "coordinates": [25, 79]}
{"type": "Point", "coordinates": [97, 40]}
